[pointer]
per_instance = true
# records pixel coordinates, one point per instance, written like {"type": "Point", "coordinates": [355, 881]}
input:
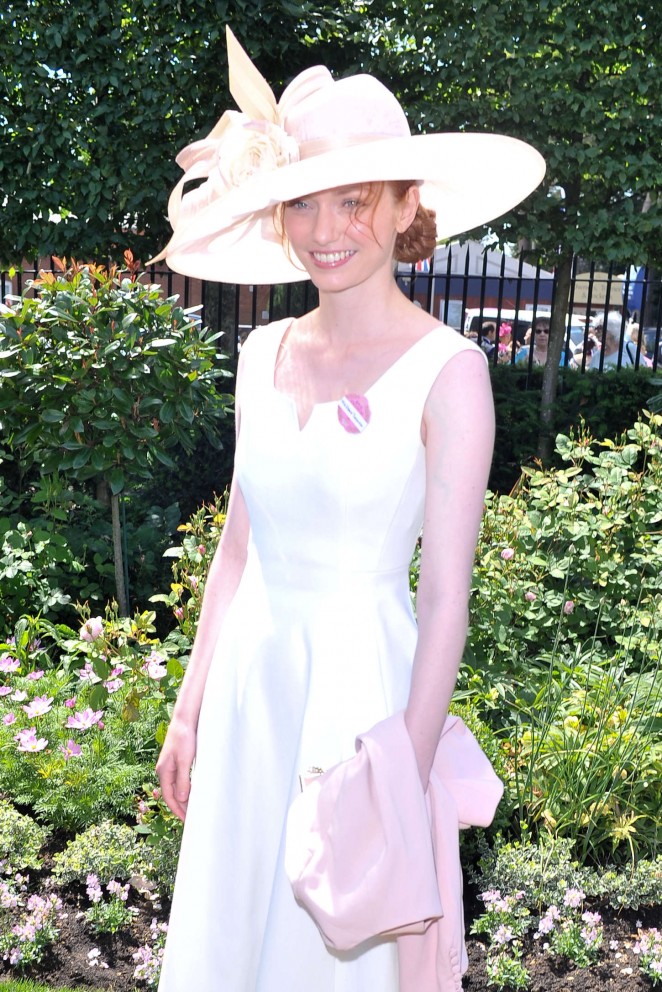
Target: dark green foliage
{"type": "Point", "coordinates": [97, 104]}
{"type": "Point", "coordinates": [606, 403]}
{"type": "Point", "coordinates": [101, 379]}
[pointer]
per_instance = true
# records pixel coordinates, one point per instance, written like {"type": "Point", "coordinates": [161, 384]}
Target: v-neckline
{"type": "Point", "coordinates": [322, 403]}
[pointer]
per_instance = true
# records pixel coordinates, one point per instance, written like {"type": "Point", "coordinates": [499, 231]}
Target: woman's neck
{"type": "Point", "coordinates": [362, 312]}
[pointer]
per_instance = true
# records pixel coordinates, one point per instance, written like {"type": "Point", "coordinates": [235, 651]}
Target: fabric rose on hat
{"type": "Point", "coordinates": [248, 147]}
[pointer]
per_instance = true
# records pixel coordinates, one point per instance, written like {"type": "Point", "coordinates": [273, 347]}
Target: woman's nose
{"type": "Point", "coordinates": [327, 224]}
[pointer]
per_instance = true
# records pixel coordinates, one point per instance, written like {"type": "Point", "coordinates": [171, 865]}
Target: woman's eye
{"type": "Point", "coordinates": [296, 204]}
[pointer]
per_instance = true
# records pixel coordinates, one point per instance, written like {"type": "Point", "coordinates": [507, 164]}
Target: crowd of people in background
{"type": "Point", "coordinates": [608, 343]}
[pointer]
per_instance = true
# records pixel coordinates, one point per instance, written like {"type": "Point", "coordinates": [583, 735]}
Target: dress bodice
{"type": "Point", "coordinates": [320, 496]}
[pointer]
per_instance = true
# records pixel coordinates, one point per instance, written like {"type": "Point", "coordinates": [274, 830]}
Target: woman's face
{"type": "Point", "coordinates": [344, 236]}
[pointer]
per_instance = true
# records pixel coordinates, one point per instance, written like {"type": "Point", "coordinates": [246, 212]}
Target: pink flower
{"type": "Point", "coordinates": [530, 596]}
{"type": "Point", "coordinates": [35, 676]}
{"type": "Point", "coordinates": [156, 793]}
{"type": "Point", "coordinates": [70, 703]}
{"type": "Point", "coordinates": [154, 666]}
{"type": "Point", "coordinates": [154, 670]}
{"type": "Point", "coordinates": [71, 750]}
{"type": "Point", "coordinates": [84, 720]}
{"type": "Point", "coordinates": [179, 612]}
{"type": "Point", "coordinates": [193, 582]}
{"type": "Point", "coordinates": [39, 706]}
{"type": "Point", "coordinates": [19, 696]}
{"type": "Point", "coordinates": [87, 674]}
{"type": "Point", "coordinates": [5, 690]}
{"type": "Point", "coordinates": [573, 898]}
{"type": "Point", "coordinates": [91, 629]}
{"type": "Point", "coordinates": [9, 664]}
{"type": "Point", "coordinates": [8, 719]}
{"type": "Point", "coordinates": [29, 742]}
{"type": "Point", "coordinates": [112, 685]}
{"type": "Point", "coordinates": [568, 607]}
{"type": "Point", "coordinates": [507, 554]}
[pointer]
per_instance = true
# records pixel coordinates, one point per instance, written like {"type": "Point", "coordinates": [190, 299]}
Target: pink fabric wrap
{"type": "Point", "coordinates": [369, 853]}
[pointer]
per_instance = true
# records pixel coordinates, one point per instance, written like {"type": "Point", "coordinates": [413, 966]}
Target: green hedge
{"type": "Point", "coordinates": [608, 403]}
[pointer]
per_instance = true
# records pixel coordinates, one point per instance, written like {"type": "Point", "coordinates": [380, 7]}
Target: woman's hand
{"type": "Point", "coordinates": [174, 765]}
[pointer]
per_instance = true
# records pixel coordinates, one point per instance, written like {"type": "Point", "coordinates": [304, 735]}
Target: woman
{"type": "Point", "coordinates": [356, 424]}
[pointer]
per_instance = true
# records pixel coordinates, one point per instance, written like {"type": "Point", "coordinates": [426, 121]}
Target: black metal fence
{"type": "Point", "coordinates": [495, 299]}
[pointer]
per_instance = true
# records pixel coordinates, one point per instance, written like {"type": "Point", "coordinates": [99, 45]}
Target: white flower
{"type": "Point", "coordinates": [249, 147]}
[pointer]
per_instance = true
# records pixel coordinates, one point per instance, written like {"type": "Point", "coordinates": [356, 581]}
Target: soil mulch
{"type": "Point", "coordinates": [67, 963]}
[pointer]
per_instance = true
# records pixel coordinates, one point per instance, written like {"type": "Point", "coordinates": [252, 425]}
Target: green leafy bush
{"type": "Point", "coordinates": [101, 376]}
{"type": "Point", "coordinates": [21, 840]}
{"type": "Point", "coordinates": [545, 870]}
{"type": "Point", "coordinates": [564, 645]}
{"type": "Point", "coordinates": [108, 850]}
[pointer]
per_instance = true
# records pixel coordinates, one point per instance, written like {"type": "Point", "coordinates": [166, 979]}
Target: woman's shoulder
{"type": "Point", "coordinates": [446, 341]}
{"type": "Point", "coordinates": [265, 335]}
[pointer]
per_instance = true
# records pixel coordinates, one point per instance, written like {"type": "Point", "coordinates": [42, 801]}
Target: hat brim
{"type": "Point", "coordinates": [467, 179]}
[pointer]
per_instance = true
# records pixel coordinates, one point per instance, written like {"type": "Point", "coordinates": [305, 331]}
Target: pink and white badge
{"type": "Point", "coordinates": [354, 413]}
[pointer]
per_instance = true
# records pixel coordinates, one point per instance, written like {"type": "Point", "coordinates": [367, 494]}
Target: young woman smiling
{"type": "Point", "coordinates": [356, 430]}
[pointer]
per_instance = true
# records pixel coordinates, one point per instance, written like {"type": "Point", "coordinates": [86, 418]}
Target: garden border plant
{"type": "Point", "coordinates": [100, 377]}
{"type": "Point", "coordinates": [562, 661]}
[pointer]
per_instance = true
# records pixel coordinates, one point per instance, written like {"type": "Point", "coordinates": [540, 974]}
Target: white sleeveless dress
{"type": "Point", "coordinates": [317, 647]}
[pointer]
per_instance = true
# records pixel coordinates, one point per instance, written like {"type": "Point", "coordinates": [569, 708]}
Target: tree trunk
{"type": "Point", "coordinates": [118, 556]}
{"type": "Point", "coordinates": [556, 344]}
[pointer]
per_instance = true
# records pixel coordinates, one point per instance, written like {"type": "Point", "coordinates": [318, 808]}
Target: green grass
{"type": "Point", "coordinates": [26, 985]}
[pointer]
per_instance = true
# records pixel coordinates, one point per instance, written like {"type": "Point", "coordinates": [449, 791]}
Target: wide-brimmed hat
{"type": "Point", "coordinates": [323, 133]}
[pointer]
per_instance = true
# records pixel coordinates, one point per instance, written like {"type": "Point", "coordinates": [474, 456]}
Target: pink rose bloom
{"type": "Point", "coordinates": [35, 676]}
{"type": "Point", "coordinates": [91, 629]}
{"type": "Point", "coordinates": [507, 554]}
{"type": "Point", "coordinates": [568, 607]}
{"type": "Point", "coordinates": [530, 596]}
{"type": "Point", "coordinates": [8, 719]}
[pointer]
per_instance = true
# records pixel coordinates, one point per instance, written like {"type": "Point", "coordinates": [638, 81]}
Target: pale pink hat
{"type": "Point", "coordinates": [323, 134]}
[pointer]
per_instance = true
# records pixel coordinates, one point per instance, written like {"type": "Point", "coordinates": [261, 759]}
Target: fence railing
{"type": "Point", "coordinates": [473, 291]}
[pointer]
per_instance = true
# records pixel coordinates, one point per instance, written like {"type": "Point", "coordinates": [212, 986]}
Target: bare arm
{"type": "Point", "coordinates": [458, 423]}
{"type": "Point", "coordinates": [178, 752]}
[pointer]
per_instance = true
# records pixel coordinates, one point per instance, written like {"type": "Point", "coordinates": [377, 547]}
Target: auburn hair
{"type": "Point", "coordinates": [416, 243]}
